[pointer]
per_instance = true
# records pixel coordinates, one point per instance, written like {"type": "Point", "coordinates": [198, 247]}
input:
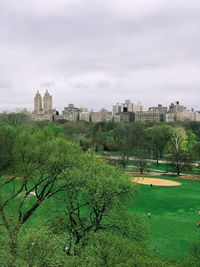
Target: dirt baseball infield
{"type": "Point", "coordinates": [156, 182]}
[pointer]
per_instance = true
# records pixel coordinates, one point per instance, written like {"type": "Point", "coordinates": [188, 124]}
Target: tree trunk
{"type": "Point", "coordinates": [178, 170]}
{"type": "Point", "coordinates": [157, 161]}
{"type": "Point", "coordinates": [14, 246]}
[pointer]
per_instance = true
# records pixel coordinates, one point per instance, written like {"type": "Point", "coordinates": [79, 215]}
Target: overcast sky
{"type": "Point", "coordinates": [95, 53]}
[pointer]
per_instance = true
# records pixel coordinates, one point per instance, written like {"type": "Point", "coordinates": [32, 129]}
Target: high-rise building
{"type": "Point", "coordinates": [43, 108]}
{"type": "Point", "coordinates": [37, 103]}
{"type": "Point", "coordinates": [47, 103]}
{"type": "Point", "coordinates": [116, 109]}
{"type": "Point", "coordinates": [127, 106]}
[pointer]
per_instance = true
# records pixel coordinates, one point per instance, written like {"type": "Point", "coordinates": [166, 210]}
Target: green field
{"type": "Point", "coordinates": [172, 226]}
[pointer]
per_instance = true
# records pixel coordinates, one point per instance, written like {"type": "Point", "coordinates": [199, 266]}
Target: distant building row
{"type": "Point", "coordinates": [125, 112]}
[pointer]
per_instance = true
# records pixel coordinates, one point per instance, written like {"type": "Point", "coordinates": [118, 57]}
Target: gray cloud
{"type": "Point", "coordinates": [95, 53]}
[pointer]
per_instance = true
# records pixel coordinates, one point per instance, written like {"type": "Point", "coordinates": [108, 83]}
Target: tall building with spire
{"type": "Point", "coordinates": [47, 103]}
{"type": "Point", "coordinates": [43, 107]}
{"type": "Point", "coordinates": [37, 103]}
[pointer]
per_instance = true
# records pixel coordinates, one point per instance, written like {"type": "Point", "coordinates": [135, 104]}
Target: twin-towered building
{"type": "Point", "coordinates": [43, 107]}
{"type": "Point", "coordinates": [125, 112]}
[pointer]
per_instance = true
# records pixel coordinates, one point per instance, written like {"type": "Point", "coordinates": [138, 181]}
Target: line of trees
{"type": "Point", "coordinates": [179, 145]}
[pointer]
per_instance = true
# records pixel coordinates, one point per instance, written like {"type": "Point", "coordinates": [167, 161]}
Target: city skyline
{"type": "Point", "coordinates": [145, 106]}
{"type": "Point", "coordinates": [121, 112]}
{"type": "Point", "coordinates": [98, 53]}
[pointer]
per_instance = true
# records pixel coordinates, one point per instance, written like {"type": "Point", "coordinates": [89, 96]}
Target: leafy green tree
{"type": "Point", "coordinates": [111, 250]}
{"type": "Point", "coordinates": [135, 136]}
{"type": "Point", "coordinates": [141, 160]}
{"type": "Point", "coordinates": [72, 130]}
{"type": "Point", "coordinates": [92, 200]}
{"type": "Point", "coordinates": [194, 126]}
{"type": "Point", "coordinates": [196, 153]}
{"type": "Point", "coordinates": [41, 248]}
{"type": "Point", "coordinates": [7, 137]}
{"type": "Point", "coordinates": [56, 129]}
{"type": "Point", "coordinates": [124, 160]}
{"type": "Point", "coordinates": [178, 139]}
{"type": "Point", "coordinates": [40, 162]}
{"type": "Point", "coordinates": [180, 158]}
{"type": "Point", "coordinates": [180, 161]}
{"type": "Point", "coordinates": [45, 165]}
{"type": "Point", "coordinates": [156, 139]}
{"type": "Point", "coordinates": [119, 134]}
{"type": "Point", "coordinates": [191, 141]}
{"type": "Point", "coordinates": [15, 119]}
{"type": "Point", "coordinates": [5, 256]}
{"type": "Point", "coordinates": [85, 143]}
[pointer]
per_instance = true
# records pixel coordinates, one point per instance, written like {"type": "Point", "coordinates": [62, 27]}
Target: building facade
{"type": "Point", "coordinates": [150, 116]}
{"type": "Point", "coordinates": [127, 117]}
{"type": "Point", "coordinates": [71, 113]}
{"type": "Point", "coordinates": [43, 107]}
{"type": "Point", "coordinates": [84, 115]}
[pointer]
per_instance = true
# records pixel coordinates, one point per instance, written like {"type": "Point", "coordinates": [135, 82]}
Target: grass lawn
{"type": "Point", "coordinates": [172, 226]}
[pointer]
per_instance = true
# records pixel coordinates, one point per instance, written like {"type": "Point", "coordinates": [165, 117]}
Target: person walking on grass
{"type": "Point", "coordinates": [149, 215]}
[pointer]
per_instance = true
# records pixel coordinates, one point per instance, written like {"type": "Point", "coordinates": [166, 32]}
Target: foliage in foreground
{"type": "Point", "coordinates": [45, 167]}
{"type": "Point", "coordinates": [84, 199]}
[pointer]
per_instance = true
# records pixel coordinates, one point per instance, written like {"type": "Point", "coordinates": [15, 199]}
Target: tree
{"type": "Point", "coordinates": [110, 250]}
{"type": "Point", "coordinates": [141, 160]}
{"type": "Point", "coordinates": [124, 160]}
{"type": "Point", "coordinates": [180, 158]}
{"type": "Point", "coordinates": [119, 134]}
{"type": "Point", "coordinates": [156, 139]}
{"type": "Point", "coordinates": [41, 161]}
{"type": "Point", "coordinates": [180, 161]}
{"type": "Point", "coordinates": [135, 136]}
{"type": "Point", "coordinates": [7, 137]}
{"type": "Point", "coordinates": [92, 200]}
{"type": "Point", "coordinates": [191, 141]}
{"type": "Point", "coordinates": [41, 248]}
{"type": "Point", "coordinates": [196, 151]}
{"type": "Point", "coordinates": [15, 119]}
{"type": "Point", "coordinates": [178, 139]}
{"type": "Point", "coordinates": [45, 166]}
